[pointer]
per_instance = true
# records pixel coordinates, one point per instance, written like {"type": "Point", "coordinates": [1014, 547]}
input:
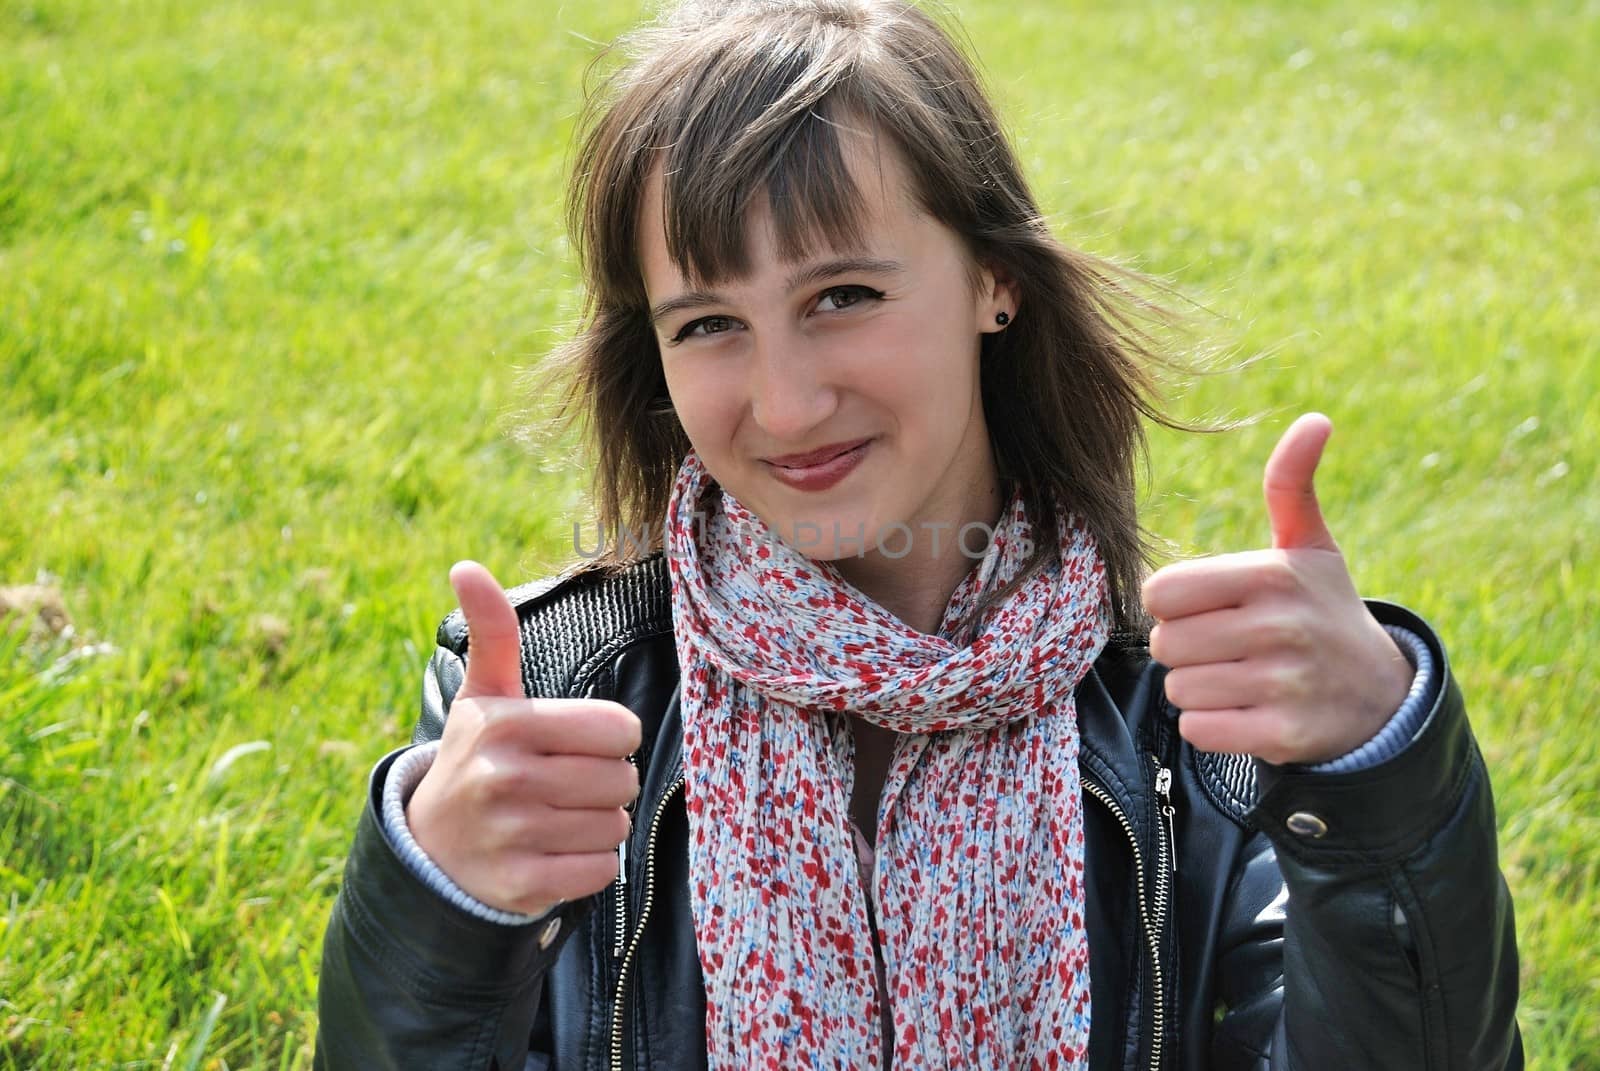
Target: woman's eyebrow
{"type": "Point", "coordinates": [826, 269]}
{"type": "Point", "coordinates": [694, 299]}
{"type": "Point", "coordinates": [811, 273]}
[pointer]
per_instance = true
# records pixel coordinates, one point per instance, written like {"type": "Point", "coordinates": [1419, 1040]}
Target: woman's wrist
{"type": "Point", "coordinates": [1403, 725]}
{"type": "Point", "coordinates": [402, 780]}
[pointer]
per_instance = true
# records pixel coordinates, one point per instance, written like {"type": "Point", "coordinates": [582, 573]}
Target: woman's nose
{"type": "Point", "coordinates": [790, 394]}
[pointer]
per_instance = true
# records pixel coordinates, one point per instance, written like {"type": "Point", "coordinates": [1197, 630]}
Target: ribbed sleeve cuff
{"type": "Point", "coordinates": [1401, 729]}
{"type": "Point", "coordinates": [404, 776]}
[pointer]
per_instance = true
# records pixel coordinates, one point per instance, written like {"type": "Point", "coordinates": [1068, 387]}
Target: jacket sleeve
{"type": "Point", "coordinates": [411, 981]}
{"type": "Point", "coordinates": [1391, 924]}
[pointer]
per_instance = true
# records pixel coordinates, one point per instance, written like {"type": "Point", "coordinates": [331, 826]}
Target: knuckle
{"type": "Point", "coordinates": [1285, 681]}
{"type": "Point", "coordinates": [1277, 574]}
{"type": "Point", "coordinates": [508, 829]}
{"type": "Point", "coordinates": [509, 783]}
{"type": "Point", "coordinates": [1287, 739]}
{"type": "Point", "coordinates": [1278, 632]}
{"type": "Point", "coordinates": [479, 783]}
{"type": "Point", "coordinates": [1273, 680]}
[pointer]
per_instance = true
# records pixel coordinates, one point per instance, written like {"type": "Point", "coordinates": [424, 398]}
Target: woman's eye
{"type": "Point", "coordinates": [842, 297]}
{"type": "Point", "coordinates": [833, 299]}
{"type": "Point", "coordinates": [706, 325]}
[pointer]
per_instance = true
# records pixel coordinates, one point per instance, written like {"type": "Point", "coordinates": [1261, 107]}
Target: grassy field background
{"type": "Point", "coordinates": [266, 274]}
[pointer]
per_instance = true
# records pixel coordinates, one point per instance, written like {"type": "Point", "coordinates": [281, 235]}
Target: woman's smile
{"type": "Point", "coordinates": [818, 470]}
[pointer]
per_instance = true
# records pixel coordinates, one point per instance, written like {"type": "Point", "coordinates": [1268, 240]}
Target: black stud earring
{"type": "Point", "coordinates": [1002, 318]}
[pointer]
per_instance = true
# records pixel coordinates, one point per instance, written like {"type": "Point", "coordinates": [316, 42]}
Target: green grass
{"type": "Point", "coordinates": [266, 274]}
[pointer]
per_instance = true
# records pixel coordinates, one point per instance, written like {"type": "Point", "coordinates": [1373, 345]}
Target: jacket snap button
{"type": "Point", "coordinates": [547, 936]}
{"type": "Point", "coordinates": [1306, 824]}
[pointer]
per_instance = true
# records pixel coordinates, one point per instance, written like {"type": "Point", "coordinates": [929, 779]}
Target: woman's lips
{"type": "Point", "coordinates": [819, 469]}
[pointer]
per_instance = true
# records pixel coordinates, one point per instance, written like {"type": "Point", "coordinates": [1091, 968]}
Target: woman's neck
{"type": "Point", "coordinates": [916, 587]}
{"type": "Point", "coordinates": [917, 596]}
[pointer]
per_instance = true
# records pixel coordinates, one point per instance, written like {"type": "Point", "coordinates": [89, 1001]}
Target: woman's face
{"type": "Point", "coordinates": [837, 396]}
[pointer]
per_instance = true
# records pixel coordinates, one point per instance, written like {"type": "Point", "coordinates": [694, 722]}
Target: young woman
{"type": "Point", "coordinates": [871, 760]}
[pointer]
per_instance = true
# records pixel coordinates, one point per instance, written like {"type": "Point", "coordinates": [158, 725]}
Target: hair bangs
{"type": "Point", "coordinates": [776, 143]}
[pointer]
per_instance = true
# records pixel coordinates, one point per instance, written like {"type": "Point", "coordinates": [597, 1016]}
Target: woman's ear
{"type": "Point", "coordinates": [998, 298]}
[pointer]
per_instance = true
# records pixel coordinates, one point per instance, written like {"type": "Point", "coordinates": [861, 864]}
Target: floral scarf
{"type": "Point", "coordinates": [978, 885]}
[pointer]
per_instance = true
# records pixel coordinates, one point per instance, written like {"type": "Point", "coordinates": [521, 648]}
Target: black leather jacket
{"type": "Point", "coordinates": [1398, 951]}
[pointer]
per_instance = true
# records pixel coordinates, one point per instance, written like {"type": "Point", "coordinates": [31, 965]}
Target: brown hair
{"type": "Point", "coordinates": [735, 99]}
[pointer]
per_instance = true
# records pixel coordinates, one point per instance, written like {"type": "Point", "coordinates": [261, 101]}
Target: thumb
{"type": "Point", "coordinates": [1291, 496]}
{"type": "Point", "coordinates": [494, 659]}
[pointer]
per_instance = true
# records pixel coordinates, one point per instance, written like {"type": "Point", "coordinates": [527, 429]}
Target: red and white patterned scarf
{"type": "Point", "coordinates": [979, 886]}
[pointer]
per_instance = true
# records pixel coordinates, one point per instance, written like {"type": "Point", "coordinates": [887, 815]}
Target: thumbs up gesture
{"type": "Point", "coordinates": [524, 804]}
{"type": "Point", "coordinates": [1272, 652]}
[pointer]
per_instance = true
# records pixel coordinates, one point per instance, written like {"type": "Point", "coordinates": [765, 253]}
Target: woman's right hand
{"type": "Point", "coordinates": [524, 804]}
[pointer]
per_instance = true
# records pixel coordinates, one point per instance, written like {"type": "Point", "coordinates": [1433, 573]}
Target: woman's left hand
{"type": "Point", "coordinates": [1272, 653]}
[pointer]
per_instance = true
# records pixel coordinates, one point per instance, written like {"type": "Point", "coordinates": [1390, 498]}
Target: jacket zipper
{"type": "Point", "coordinates": [621, 891]}
{"type": "Point", "coordinates": [1164, 794]}
{"type": "Point", "coordinates": [1152, 928]}
{"type": "Point", "coordinates": [644, 917]}
{"type": "Point", "coordinates": [621, 896]}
